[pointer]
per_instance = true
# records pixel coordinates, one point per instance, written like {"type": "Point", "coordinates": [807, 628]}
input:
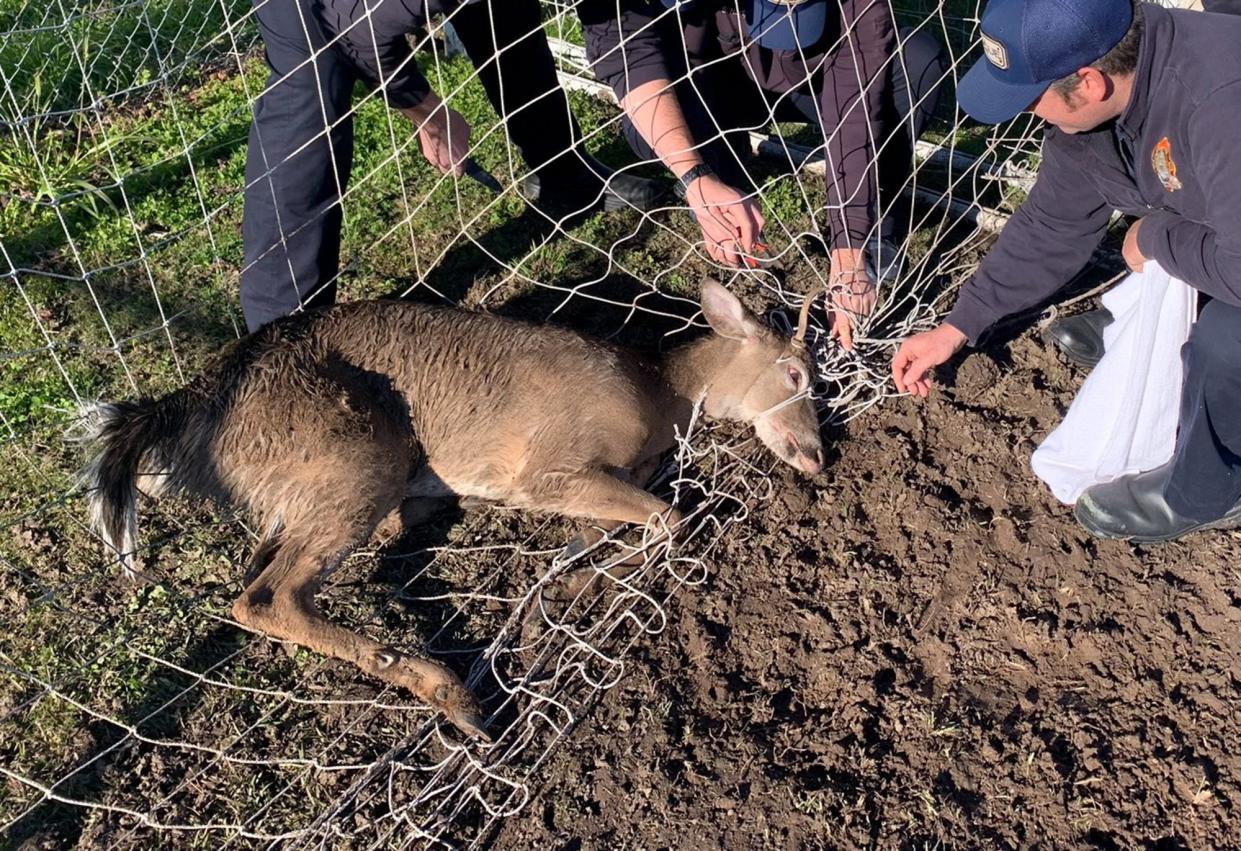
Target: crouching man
{"type": "Point", "coordinates": [1144, 108]}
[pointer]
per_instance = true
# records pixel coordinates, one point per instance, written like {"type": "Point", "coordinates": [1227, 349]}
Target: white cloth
{"type": "Point", "coordinates": [1124, 418]}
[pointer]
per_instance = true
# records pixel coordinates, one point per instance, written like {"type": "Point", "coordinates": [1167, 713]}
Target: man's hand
{"type": "Point", "coordinates": [442, 133]}
{"type": "Point", "coordinates": [1132, 254]}
{"type": "Point", "coordinates": [921, 353]}
{"type": "Point", "coordinates": [731, 223]}
{"type": "Point", "coordinates": [852, 293]}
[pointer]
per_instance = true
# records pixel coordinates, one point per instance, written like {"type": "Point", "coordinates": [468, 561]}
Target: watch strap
{"type": "Point", "coordinates": [700, 170]}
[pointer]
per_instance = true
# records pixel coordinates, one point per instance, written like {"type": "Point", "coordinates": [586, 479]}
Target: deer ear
{"type": "Point", "coordinates": [726, 314]}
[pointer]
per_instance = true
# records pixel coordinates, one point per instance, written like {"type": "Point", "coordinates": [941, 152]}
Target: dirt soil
{"type": "Point", "coordinates": [921, 649]}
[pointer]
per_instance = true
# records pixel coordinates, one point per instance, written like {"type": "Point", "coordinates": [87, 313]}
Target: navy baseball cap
{"type": "Point", "coordinates": [780, 24]}
{"type": "Point", "coordinates": [786, 24]}
{"type": "Point", "coordinates": [1029, 44]}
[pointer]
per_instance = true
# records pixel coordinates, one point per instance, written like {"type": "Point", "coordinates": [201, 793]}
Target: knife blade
{"type": "Point", "coordinates": [482, 177]}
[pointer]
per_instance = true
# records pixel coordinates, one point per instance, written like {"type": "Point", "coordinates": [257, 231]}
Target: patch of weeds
{"type": "Point", "coordinates": [782, 199]}
{"type": "Point", "coordinates": [95, 47]}
{"type": "Point", "coordinates": [33, 395]}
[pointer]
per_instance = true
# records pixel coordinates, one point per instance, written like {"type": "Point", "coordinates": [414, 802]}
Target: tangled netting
{"type": "Point", "coordinates": [140, 715]}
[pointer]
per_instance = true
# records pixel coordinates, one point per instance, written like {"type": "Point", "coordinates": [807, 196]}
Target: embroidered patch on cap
{"type": "Point", "coordinates": [997, 53]}
{"type": "Point", "coordinates": [1165, 166]}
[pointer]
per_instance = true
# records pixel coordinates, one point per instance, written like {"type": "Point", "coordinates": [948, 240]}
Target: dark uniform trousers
{"type": "Point", "coordinates": [722, 103]}
{"type": "Point", "coordinates": [1205, 480]}
{"type": "Point", "coordinates": [296, 173]}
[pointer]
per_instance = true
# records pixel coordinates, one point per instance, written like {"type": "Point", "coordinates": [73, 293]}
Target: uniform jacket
{"type": "Point", "coordinates": [376, 45]}
{"type": "Point", "coordinates": [631, 42]}
{"type": "Point", "coordinates": [1173, 158]}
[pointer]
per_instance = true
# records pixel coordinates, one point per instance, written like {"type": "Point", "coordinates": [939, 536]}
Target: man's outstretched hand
{"type": "Point", "coordinates": [921, 353]}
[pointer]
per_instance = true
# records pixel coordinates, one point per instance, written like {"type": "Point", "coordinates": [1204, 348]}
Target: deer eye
{"type": "Point", "coordinates": [795, 378]}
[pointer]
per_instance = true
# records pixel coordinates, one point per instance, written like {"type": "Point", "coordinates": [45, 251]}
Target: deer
{"type": "Point", "coordinates": [332, 424]}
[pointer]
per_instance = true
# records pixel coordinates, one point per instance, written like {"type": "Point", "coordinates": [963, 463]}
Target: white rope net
{"type": "Point", "coordinates": [140, 715]}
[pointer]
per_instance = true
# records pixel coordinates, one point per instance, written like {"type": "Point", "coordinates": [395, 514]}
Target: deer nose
{"type": "Point", "coordinates": [811, 462]}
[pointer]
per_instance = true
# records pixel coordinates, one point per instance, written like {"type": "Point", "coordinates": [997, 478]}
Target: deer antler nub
{"type": "Point", "coordinates": [799, 338]}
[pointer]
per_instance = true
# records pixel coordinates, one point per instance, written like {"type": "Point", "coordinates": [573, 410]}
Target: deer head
{"type": "Point", "coordinates": [756, 375]}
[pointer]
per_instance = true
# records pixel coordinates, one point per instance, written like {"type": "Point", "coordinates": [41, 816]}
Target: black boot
{"type": "Point", "coordinates": [1134, 508]}
{"type": "Point", "coordinates": [585, 185]}
{"type": "Point", "coordinates": [1080, 337]}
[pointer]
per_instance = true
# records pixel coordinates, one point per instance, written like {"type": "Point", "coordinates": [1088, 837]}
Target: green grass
{"type": "Point", "coordinates": [53, 62]}
{"type": "Point", "coordinates": [145, 199]}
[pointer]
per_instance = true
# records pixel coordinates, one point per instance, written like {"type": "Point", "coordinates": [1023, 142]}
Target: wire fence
{"type": "Point", "coordinates": [132, 716]}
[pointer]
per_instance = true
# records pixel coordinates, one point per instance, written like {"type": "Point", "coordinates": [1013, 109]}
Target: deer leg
{"type": "Point", "coordinates": [280, 603]}
{"type": "Point", "coordinates": [589, 536]}
{"type": "Point", "coordinates": [260, 558]}
{"type": "Point", "coordinates": [639, 475]}
{"type": "Point", "coordinates": [351, 460]}
{"type": "Point", "coordinates": [600, 496]}
{"type": "Point", "coordinates": [412, 512]}
{"type": "Point", "coordinates": [613, 502]}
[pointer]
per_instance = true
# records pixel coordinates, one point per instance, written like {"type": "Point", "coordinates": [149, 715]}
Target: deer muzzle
{"type": "Point", "coordinates": [808, 459]}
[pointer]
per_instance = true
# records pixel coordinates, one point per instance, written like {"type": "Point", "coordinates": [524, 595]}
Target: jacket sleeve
{"type": "Point", "coordinates": [1047, 241]}
{"type": "Point", "coordinates": [377, 47]}
{"type": "Point", "coordinates": [855, 79]}
{"type": "Point", "coordinates": [1206, 255]}
{"type": "Point", "coordinates": [623, 42]}
{"type": "Point", "coordinates": [1223, 7]}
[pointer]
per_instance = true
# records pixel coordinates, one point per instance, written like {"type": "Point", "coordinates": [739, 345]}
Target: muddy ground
{"type": "Point", "coordinates": [922, 649]}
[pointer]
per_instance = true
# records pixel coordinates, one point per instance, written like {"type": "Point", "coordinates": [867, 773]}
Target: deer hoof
{"type": "Point", "coordinates": [462, 709]}
{"type": "Point", "coordinates": [567, 588]}
{"type": "Point", "coordinates": [575, 547]}
{"type": "Point", "coordinates": [434, 684]}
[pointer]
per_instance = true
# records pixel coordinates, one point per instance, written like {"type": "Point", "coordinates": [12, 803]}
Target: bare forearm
{"type": "Point", "coordinates": [655, 112]}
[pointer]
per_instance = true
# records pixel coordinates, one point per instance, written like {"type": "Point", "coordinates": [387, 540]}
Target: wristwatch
{"type": "Point", "coordinates": [700, 170]}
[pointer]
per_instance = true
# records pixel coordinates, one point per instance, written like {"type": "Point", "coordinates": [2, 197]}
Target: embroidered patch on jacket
{"type": "Point", "coordinates": [1165, 166]}
{"type": "Point", "coordinates": [996, 52]}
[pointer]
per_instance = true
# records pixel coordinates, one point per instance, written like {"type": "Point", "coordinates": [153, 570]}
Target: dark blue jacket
{"type": "Point", "coordinates": [372, 38]}
{"type": "Point", "coordinates": [1173, 158]}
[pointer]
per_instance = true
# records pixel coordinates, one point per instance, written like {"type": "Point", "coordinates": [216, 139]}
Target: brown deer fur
{"type": "Point", "coordinates": [324, 424]}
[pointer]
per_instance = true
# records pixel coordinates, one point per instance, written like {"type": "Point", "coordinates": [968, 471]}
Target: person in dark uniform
{"type": "Point", "coordinates": [695, 76]}
{"type": "Point", "coordinates": [1144, 105]}
{"type": "Point", "coordinates": [1080, 337]}
{"type": "Point", "coordinates": [301, 138]}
